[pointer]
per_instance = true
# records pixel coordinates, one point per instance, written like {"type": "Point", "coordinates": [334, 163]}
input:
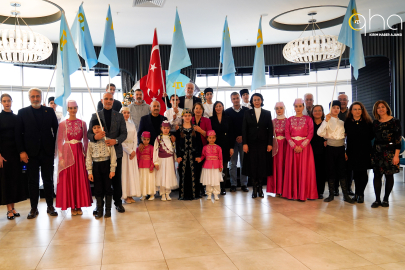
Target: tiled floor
{"type": "Point", "coordinates": [236, 232]}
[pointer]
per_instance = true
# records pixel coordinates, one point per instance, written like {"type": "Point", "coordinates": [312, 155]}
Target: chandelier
{"type": "Point", "coordinates": [22, 46]}
{"type": "Point", "coordinates": [314, 48]}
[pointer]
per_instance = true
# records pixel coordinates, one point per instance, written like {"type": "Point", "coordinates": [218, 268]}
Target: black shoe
{"type": "Point", "coordinates": [254, 193]}
{"type": "Point", "coordinates": [245, 189]}
{"type": "Point", "coordinates": [108, 204]}
{"type": "Point", "coordinates": [330, 198]}
{"type": "Point", "coordinates": [375, 204]}
{"type": "Point", "coordinates": [320, 196]}
{"type": "Point", "coordinates": [100, 208]}
{"type": "Point", "coordinates": [260, 191]}
{"type": "Point", "coordinates": [147, 197]}
{"type": "Point", "coordinates": [351, 192]}
{"type": "Point", "coordinates": [51, 211]}
{"type": "Point", "coordinates": [95, 211]}
{"type": "Point", "coordinates": [343, 186]}
{"type": "Point", "coordinates": [347, 199]}
{"type": "Point", "coordinates": [233, 189]}
{"type": "Point", "coordinates": [33, 213]}
{"type": "Point", "coordinates": [15, 214]}
{"type": "Point", "coordinates": [336, 193]}
{"type": "Point", "coordinates": [223, 192]}
{"type": "Point", "coordinates": [385, 204]}
{"type": "Point", "coordinates": [10, 217]}
{"type": "Point", "coordinates": [120, 208]}
{"type": "Point", "coordinates": [360, 199]}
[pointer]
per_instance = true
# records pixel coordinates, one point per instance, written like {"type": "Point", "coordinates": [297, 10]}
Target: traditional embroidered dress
{"type": "Point", "coordinates": [164, 156]}
{"type": "Point", "coordinates": [130, 173]}
{"type": "Point", "coordinates": [211, 177]}
{"type": "Point", "coordinates": [188, 148]}
{"type": "Point", "coordinates": [146, 170]}
{"type": "Point", "coordinates": [73, 188]}
{"type": "Point", "coordinates": [275, 182]}
{"type": "Point", "coordinates": [299, 175]}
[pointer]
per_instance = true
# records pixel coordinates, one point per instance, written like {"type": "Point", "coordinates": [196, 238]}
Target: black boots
{"type": "Point", "coordinates": [260, 189]}
{"type": "Point", "coordinates": [257, 189]}
{"type": "Point", "coordinates": [254, 184]}
{"type": "Point", "coordinates": [100, 207]}
{"type": "Point", "coordinates": [222, 185]}
{"type": "Point", "coordinates": [331, 191]}
{"type": "Point", "coordinates": [345, 192]}
{"type": "Point", "coordinates": [108, 203]}
{"type": "Point", "coordinates": [96, 209]}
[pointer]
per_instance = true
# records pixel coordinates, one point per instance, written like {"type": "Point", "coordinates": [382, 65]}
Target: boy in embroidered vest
{"type": "Point", "coordinates": [146, 168]}
{"type": "Point", "coordinates": [101, 162]}
{"type": "Point", "coordinates": [163, 158]}
{"type": "Point", "coordinates": [333, 130]}
{"type": "Point", "coordinates": [211, 175]}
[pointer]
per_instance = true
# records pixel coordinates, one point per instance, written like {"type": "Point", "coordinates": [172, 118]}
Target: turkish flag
{"type": "Point", "coordinates": [154, 82]}
{"type": "Point", "coordinates": [148, 95]}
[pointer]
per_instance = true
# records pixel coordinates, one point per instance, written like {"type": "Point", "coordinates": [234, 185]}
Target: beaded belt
{"type": "Point", "coordinates": [73, 141]}
{"type": "Point", "coordinates": [280, 137]}
{"type": "Point", "coordinates": [298, 138]}
{"type": "Point", "coordinates": [212, 158]}
{"type": "Point", "coordinates": [129, 141]}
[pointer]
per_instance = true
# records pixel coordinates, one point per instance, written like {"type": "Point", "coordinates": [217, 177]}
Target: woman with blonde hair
{"type": "Point", "coordinates": [385, 153]}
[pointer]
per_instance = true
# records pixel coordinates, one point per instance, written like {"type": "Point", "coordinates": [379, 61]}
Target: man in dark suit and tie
{"type": "Point", "coordinates": [39, 126]}
{"type": "Point", "coordinates": [116, 132]}
{"type": "Point", "coordinates": [186, 101]}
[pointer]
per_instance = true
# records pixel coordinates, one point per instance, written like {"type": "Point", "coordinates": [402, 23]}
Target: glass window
{"type": "Point", "coordinates": [77, 80]}
{"type": "Point", "coordinates": [16, 96]}
{"type": "Point", "coordinates": [288, 96]}
{"type": "Point", "coordinates": [116, 80]}
{"type": "Point", "coordinates": [38, 77]}
{"type": "Point", "coordinates": [201, 81]}
{"type": "Point", "coordinates": [213, 80]}
{"type": "Point", "coordinates": [92, 80]}
{"type": "Point", "coordinates": [88, 108]}
{"type": "Point", "coordinates": [298, 79]}
{"type": "Point", "coordinates": [330, 75]}
{"type": "Point", "coordinates": [271, 80]}
{"type": "Point", "coordinates": [304, 90]}
{"type": "Point", "coordinates": [10, 74]}
{"type": "Point", "coordinates": [270, 97]}
{"type": "Point", "coordinates": [247, 80]}
{"type": "Point", "coordinates": [325, 96]}
{"type": "Point", "coordinates": [345, 74]}
{"type": "Point", "coordinates": [238, 80]}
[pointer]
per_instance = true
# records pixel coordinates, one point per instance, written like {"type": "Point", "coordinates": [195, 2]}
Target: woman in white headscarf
{"type": "Point", "coordinates": [130, 173]}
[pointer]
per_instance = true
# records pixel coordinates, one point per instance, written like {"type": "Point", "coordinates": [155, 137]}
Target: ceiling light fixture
{"type": "Point", "coordinates": [22, 46]}
{"type": "Point", "coordinates": [314, 48]}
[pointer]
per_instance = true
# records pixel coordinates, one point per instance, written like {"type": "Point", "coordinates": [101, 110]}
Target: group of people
{"type": "Point", "coordinates": [134, 151]}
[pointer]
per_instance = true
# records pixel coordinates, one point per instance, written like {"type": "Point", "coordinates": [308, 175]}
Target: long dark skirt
{"type": "Point", "coordinates": [257, 163]}
{"type": "Point", "coordinates": [189, 184]}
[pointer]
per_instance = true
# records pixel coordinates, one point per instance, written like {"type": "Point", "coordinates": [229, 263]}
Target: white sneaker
{"type": "Point", "coordinates": [168, 197]}
{"type": "Point", "coordinates": [151, 198]}
{"type": "Point", "coordinates": [216, 197]}
{"type": "Point", "coordinates": [208, 196]}
{"type": "Point", "coordinates": [163, 197]}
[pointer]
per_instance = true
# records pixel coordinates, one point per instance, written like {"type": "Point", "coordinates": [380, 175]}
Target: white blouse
{"type": "Point", "coordinates": [257, 113]}
{"type": "Point", "coordinates": [333, 131]}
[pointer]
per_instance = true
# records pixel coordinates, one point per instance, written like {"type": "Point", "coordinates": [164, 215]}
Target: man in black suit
{"type": "Point", "coordinates": [151, 123]}
{"type": "Point", "coordinates": [116, 132]}
{"type": "Point", "coordinates": [186, 101]}
{"type": "Point", "coordinates": [117, 105]}
{"type": "Point", "coordinates": [39, 126]}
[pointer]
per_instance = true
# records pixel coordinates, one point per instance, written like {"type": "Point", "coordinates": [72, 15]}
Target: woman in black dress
{"type": "Point", "coordinates": [222, 125]}
{"type": "Point", "coordinates": [385, 153]}
{"type": "Point", "coordinates": [188, 152]}
{"type": "Point", "coordinates": [319, 148]}
{"type": "Point", "coordinates": [13, 186]}
{"type": "Point", "coordinates": [359, 133]}
{"type": "Point", "coordinates": [257, 140]}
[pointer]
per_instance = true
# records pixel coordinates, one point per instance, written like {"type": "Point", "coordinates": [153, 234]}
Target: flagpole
{"type": "Point", "coordinates": [49, 85]}
{"type": "Point", "coordinates": [161, 71]}
{"type": "Point", "coordinates": [219, 69]}
{"type": "Point", "coordinates": [337, 72]}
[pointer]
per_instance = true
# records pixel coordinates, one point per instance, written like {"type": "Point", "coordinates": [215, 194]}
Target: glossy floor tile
{"type": "Point", "coordinates": [236, 232]}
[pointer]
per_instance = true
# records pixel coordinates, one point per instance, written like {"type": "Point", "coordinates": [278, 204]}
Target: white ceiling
{"type": "Point", "coordinates": [202, 21]}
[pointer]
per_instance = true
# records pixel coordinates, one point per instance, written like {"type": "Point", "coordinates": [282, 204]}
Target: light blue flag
{"type": "Point", "coordinates": [179, 84]}
{"type": "Point", "coordinates": [108, 54]}
{"type": "Point", "coordinates": [67, 63]}
{"type": "Point", "coordinates": [259, 73]}
{"type": "Point", "coordinates": [179, 57]}
{"type": "Point", "coordinates": [82, 39]}
{"type": "Point", "coordinates": [226, 57]}
{"type": "Point", "coordinates": [351, 37]}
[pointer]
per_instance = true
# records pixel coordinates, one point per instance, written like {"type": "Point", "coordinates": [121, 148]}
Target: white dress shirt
{"type": "Point", "coordinates": [170, 117]}
{"type": "Point", "coordinates": [333, 131]}
{"type": "Point", "coordinates": [247, 105]}
{"type": "Point", "coordinates": [257, 113]}
{"type": "Point", "coordinates": [208, 109]}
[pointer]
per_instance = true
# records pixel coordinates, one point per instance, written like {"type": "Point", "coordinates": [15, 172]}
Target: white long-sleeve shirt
{"type": "Point", "coordinates": [208, 109]}
{"type": "Point", "coordinates": [170, 117]}
{"type": "Point", "coordinates": [247, 105]}
{"type": "Point", "coordinates": [333, 131]}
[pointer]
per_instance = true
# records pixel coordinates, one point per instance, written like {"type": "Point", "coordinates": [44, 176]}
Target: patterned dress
{"type": "Point", "coordinates": [275, 182]}
{"type": "Point", "coordinates": [387, 140]}
{"type": "Point", "coordinates": [188, 148]}
{"type": "Point", "coordinates": [299, 175]}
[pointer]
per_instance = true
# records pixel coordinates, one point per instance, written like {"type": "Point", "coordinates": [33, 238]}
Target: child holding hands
{"type": "Point", "coordinates": [101, 162]}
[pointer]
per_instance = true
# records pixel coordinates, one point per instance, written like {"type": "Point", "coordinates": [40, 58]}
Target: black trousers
{"type": "Point", "coordinates": [335, 162]}
{"type": "Point", "coordinates": [33, 165]}
{"type": "Point", "coordinates": [102, 181]}
{"type": "Point", "coordinates": [360, 181]}
{"type": "Point", "coordinates": [116, 183]}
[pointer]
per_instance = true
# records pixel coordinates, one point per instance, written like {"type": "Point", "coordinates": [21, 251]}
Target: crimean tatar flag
{"type": "Point", "coordinates": [179, 57]}
{"type": "Point", "coordinates": [259, 73]}
{"type": "Point", "coordinates": [82, 39]}
{"type": "Point", "coordinates": [108, 54]}
{"type": "Point", "coordinates": [67, 63]}
{"type": "Point", "coordinates": [226, 57]}
{"type": "Point", "coordinates": [351, 37]}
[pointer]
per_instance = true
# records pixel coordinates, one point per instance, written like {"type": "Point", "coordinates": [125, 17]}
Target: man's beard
{"type": "Point", "coordinates": [139, 100]}
{"type": "Point", "coordinates": [36, 105]}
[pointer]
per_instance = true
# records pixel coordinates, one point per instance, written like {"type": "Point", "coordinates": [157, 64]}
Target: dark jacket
{"type": "Point", "coordinates": [253, 131]}
{"type": "Point", "coordinates": [182, 98]}
{"type": "Point", "coordinates": [224, 131]}
{"type": "Point", "coordinates": [147, 125]}
{"type": "Point", "coordinates": [118, 130]}
{"type": "Point", "coordinates": [36, 137]}
{"type": "Point", "coordinates": [117, 105]}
